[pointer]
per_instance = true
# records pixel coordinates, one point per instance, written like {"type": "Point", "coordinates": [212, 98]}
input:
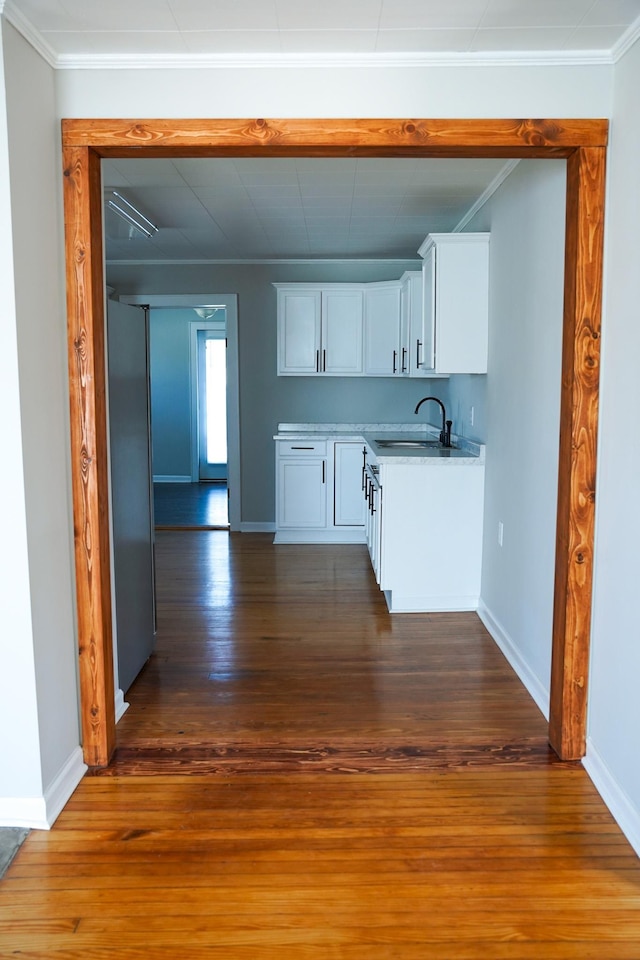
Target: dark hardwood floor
{"type": "Point", "coordinates": [183, 506]}
{"type": "Point", "coordinates": [301, 776]}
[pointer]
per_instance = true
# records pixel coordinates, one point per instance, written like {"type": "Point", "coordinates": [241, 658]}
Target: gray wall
{"type": "Point", "coordinates": [265, 398]}
{"type": "Point", "coordinates": [169, 345]}
{"type": "Point", "coordinates": [526, 218]}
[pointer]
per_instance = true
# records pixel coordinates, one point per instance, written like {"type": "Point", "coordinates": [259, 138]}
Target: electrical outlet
{"type": "Point", "coordinates": [471, 416]}
{"type": "Point", "coordinates": [500, 532]}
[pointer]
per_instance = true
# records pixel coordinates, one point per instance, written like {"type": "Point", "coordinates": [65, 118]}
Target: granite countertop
{"type": "Point", "coordinates": [462, 452]}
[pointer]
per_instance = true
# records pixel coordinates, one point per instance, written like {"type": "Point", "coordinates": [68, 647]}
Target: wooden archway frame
{"type": "Point", "coordinates": [581, 142]}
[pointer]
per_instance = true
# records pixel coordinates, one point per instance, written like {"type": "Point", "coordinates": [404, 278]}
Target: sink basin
{"type": "Point", "coordinates": [408, 443]}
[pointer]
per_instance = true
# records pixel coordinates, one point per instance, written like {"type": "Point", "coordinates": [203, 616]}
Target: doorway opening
{"type": "Point", "coordinates": [583, 143]}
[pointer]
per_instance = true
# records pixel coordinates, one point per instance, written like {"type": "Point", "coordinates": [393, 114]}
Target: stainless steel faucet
{"type": "Point", "coordinates": [445, 433]}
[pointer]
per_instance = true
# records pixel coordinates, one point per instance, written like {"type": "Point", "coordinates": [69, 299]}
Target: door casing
{"type": "Point", "coordinates": [581, 142]}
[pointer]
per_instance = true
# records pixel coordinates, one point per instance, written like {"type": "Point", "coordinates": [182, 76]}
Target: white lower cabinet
{"type": "Point", "coordinates": [425, 536]}
{"type": "Point", "coordinates": [319, 491]}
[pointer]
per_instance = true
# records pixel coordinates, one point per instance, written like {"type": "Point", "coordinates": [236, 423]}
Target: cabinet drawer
{"type": "Point", "coordinates": [301, 448]}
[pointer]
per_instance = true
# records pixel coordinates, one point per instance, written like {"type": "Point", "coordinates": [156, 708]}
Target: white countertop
{"type": "Point", "coordinates": [462, 452]}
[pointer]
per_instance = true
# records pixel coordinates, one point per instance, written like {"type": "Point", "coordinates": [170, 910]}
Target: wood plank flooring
{"type": "Point", "coordinates": [301, 775]}
{"type": "Point", "coordinates": [185, 506]}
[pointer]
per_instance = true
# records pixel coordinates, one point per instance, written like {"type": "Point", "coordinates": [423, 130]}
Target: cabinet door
{"type": "Point", "coordinates": [302, 492]}
{"type": "Point", "coordinates": [461, 304]}
{"type": "Point", "coordinates": [423, 341]}
{"type": "Point", "coordinates": [348, 498]}
{"type": "Point", "coordinates": [342, 332]}
{"type": "Point", "coordinates": [382, 331]}
{"type": "Point", "coordinates": [299, 332]}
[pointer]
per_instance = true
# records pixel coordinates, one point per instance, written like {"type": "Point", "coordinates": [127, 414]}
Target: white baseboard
{"type": "Point", "coordinates": [40, 813]}
{"type": "Point", "coordinates": [171, 478]}
{"type": "Point", "coordinates": [401, 603]}
{"type": "Point", "coordinates": [536, 689]}
{"type": "Point", "coordinates": [346, 535]}
{"type": "Point", "coordinates": [626, 815]}
{"type": "Point", "coordinates": [121, 704]}
{"type": "Point", "coordinates": [247, 527]}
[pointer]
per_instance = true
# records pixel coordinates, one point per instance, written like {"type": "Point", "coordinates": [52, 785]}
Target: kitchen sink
{"type": "Point", "coordinates": [408, 443]}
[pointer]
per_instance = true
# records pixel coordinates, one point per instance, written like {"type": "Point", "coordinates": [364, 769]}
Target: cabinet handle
{"type": "Point", "coordinates": [364, 464]}
{"type": "Point", "coordinates": [324, 361]}
{"type": "Point", "coordinates": [317, 361]}
{"type": "Point", "coordinates": [324, 471]}
{"type": "Point", "coordinates": [404, 359]}
{"type": "Point", "coordinates": [302, 448]}
{"type": "Point", "coordinates": [395, 361]}
{"type": "Point", "coordinates": [418, 345]}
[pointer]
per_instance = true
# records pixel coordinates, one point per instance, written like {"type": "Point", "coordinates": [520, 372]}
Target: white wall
{"type": "Point", "coordinates": [395, 92]}
{"type": "Point", "coordinates": [403, 91]}
{"type": "Point", "coordinates": [46, 645]}
{"type": "Point", "coordinates": [614, 703]}
{"type": "Point", "coordinates": [526, 218]}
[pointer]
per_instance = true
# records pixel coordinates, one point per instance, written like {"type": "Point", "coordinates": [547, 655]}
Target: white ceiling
{"type": "Point", "coordinates": [74, 31]}
{"type": "Point", "coordinates": [281, 209]}
{"type": "Point", "coordinates": [246, 209]}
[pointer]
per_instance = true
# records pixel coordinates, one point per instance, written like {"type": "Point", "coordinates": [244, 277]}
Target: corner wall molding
{"type": "Point", "coordinates": [40, 813]}
{"type": "Point", "coordinates": [486, 195]}
{"type": "Point", "coordinates": [626, 41]}
{"type": "Point", "coordinates": [17, 19]}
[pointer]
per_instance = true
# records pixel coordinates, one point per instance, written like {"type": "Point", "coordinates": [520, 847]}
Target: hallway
{"type": "Point", "coordinates": [301, 776]}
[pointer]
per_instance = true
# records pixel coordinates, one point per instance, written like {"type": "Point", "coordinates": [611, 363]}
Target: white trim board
{"type": "Point", "coordinates": [534, 687]}
{"type": "Point", "coordinates": [40, 813]}
{"type": "Point", "coordinates": [626, 815]}
{"type": "Point", "coordinates": [121, 705]}
{"type": "Point", "coordinates": [171, 478]}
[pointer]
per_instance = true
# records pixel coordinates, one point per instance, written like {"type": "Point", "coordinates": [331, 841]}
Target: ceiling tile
{"type": "Point", "coordinates": [329, 15]}
{"type": "Point", "coordinates": [604, 12]}
{"type": "Point", "coordinates": [541, 13]}
{"type": "Point", "coordinates": [225, 14]}
{"type": "Point", "coordinates": [121, 14]}
{"type": "Point", "coordinates": [334, 41]}
{"type": "Point", "coordinates": [592, 38]}
{"type": "Point", "coordinates": [136, 42]}
{"type": "Point", "coordinates": [521, 38]}
{"type": "Point", "coordinates": [425, 41]}
{"type": "Point", "coordinates": [144, 173]}
{"type": "Point", "coordinates": [232, 41]}
{"type": "Point", "coordinates": [48, 15]}
{"type": "Point", "coordinates": [431, 14]}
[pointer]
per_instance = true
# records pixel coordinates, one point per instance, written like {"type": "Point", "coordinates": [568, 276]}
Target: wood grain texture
{"type": "Point", "coordinates": [85, 301]}
{"type": "Point", "coordinates": [514, 863]}
{"type": "Point", "coordinates": [577, 463]}
{"type": "Point", "coordinates": [581, 141]}
{"type": "Point", "coordinates": [336, 137]}
{"type": "Point", "coordinates": [479, 845]}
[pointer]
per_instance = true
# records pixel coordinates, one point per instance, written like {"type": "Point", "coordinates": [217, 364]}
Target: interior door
{"type": "Point", "coordinates": [212, 405]}
{"type": "Point", "coordinates": [131, 487]}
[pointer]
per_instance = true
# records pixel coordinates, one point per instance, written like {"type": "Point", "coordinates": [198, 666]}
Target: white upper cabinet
{"type": "Point", "coordinates": [412, 329]}
{"type": "Point", "coordinates": [319, 330]}
{"type": "Point", "coordinates": [455, 317]}
{"type": "Point", "coordinates": [382, 350]}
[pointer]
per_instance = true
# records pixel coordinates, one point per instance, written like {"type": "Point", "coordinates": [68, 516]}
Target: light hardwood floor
{"type": "Point", "coordinates": [302, 776]}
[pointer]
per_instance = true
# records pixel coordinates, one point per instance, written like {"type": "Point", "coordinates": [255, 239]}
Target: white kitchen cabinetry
{"type": "Point", "coordinates": [412, 334]}
{"type": "Point", "coordinates": [348, 505]}
{"type": "Point", "coordinates": [302, 485]}
{"type": "Point", "coordinates": [382, 348]}
{"type": "Point", "coordinates": [425, 535]}
{"type": "Point", "coordinates": [455, 303]}
{"type": "Point", "coordinates": [319, 330]}
{"type": "Point", "coordinates": [319, 491]}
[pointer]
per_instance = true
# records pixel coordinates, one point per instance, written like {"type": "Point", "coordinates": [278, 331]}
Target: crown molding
{"type": "Point", "coordinates": [273, 261]}
{"type": "Point", "coordinates": [486, 195]}
{"type": "Point", "coordinates": [17, 19]}
{"type": "Point", "coordinates": [321, 61]}
{"type": "Point", "coordinates": [626, 41]}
